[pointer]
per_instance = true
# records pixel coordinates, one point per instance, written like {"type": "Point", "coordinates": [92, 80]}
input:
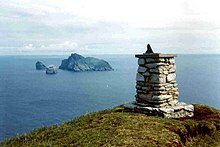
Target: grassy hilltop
{"type": "Point", "coordinates": [114, 127]}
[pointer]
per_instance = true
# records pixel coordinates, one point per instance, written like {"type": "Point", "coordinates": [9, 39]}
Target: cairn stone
{"type": "Point", "coordinates": [156, 87]}
{"type": "Point", "coordinates": [141, 69]}
{"type": "Point", "coordinates": [141, 61]}
{"type": "Point", "coordinates": [140, 77]}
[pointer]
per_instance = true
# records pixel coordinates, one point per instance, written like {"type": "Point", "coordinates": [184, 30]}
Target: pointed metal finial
{"type": "Point", "coordinates": [149, 50]}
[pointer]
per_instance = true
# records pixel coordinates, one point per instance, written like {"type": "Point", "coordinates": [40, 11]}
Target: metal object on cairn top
{"type": "Point", "coordinates": [149, 49]}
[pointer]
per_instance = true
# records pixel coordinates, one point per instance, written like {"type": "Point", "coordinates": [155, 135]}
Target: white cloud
{"type": "Point", "coordinates": [139, 13]}
{"type": "Point", "coordinates": [66, 46]}
{"type": "Point", "coordinates": [29, 46]}
{"type": "Point", "coordinates": [109, 26]}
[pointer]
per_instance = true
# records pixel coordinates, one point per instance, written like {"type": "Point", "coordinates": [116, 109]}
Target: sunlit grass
{"type": "Point", "coordinates": [114, 127]}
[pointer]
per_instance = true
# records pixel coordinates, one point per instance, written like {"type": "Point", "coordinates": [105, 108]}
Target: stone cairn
{"type": "Point", "coordinates": [156, 87]}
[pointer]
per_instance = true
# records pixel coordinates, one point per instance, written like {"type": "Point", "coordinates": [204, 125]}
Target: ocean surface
{"type": "Point", "coordinates": [31, 99]}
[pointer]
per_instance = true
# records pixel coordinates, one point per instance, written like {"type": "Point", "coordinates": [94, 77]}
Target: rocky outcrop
{"type": "Point", "coordinates": [51, 69]}
{"type": "Point", "coordinates": [40, 65]}
{"type": "Point", "coordinates": [78, 63]}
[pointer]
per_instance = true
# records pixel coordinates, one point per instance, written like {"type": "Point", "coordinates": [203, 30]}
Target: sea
{"type": "Point", "coordinates": [31, 99]}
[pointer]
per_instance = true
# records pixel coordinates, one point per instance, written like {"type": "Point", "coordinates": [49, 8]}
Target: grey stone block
{"type": "Point", "coordinates": [139, 77]}
{"type": "Point", "coordinates": [157, 78]}
{"type": "Point", "coordinates": [171, 77]}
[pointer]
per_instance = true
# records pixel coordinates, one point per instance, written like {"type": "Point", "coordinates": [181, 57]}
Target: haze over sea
{"type": "Point", "coordinates": [31, 99]}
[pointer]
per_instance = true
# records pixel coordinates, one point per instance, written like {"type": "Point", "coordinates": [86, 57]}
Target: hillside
{"type": "Point", "coordinates": [114, 127]}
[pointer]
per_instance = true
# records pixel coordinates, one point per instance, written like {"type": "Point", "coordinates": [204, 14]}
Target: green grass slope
{"type": "Point", "coordinates": [114, 127]}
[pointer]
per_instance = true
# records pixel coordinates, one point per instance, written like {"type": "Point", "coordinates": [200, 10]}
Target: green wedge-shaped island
{"type": "Point", "coordinates": [78, 63]}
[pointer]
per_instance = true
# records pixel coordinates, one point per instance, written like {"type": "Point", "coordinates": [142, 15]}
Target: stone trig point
{"type": "Point", "coordinates": [156, 87]}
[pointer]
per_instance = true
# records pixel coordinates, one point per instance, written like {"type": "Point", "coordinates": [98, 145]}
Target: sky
{"type": "Point", "coordinates": [109, 26]}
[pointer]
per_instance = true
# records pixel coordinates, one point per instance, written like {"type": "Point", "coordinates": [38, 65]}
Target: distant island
{"type": "Point", "coordinates": [78, 63]}
{"type": "Point", "coordinates": [50, 69]}
{"type": "Point", "coordinates": [40, 66]}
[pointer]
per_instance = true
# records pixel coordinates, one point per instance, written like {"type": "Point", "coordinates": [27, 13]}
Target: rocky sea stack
{"type": "Point", "coordinates": [78, 63]}
{"type": "Point", "coordinates": [40, 65]}
{"type": "Point", "coordinates": [51, 69]}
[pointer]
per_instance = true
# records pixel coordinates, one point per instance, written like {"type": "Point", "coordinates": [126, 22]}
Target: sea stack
{"type": "Point", "coordinates": [156, 87]}
{"type": "Point", "coordinates": [40, 65]}
{"type": "Point", "coordinates": [51, 69]}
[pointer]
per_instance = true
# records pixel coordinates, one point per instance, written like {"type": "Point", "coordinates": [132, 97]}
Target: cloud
{"type": "Point", "coordinates": [140, 13]}
{"type": "Point", "coordinates": [66, 46]}
{"type": "Point", "coordinates": [110, 26]}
